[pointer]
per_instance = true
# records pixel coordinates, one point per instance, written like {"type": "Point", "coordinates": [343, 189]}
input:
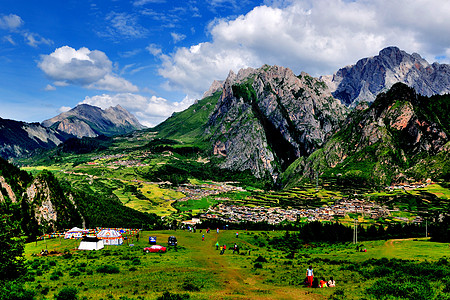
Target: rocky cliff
{"type": "Point", "coordinates": [266, 118]}
{"type": "Point", "coordinates": [18, 139]}
{"type": "Point", "coordinates": [90, 121]}
{"type": "Point", "coordinates": [402, 136]}
{"type": "Point", "coordinates": [370, 76]}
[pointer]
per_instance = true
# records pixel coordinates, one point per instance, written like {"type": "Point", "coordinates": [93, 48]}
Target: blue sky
{"type": "Point", "coordinates": [155, 57]}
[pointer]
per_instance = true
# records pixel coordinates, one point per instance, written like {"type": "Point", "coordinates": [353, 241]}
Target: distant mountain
{"type": "Point", "coordinates": [90, 121]}
{"type": "Point", "coordinates": [401, 137]}
{"type": "Point", "coordinates": [18, 139]}
{"type": "Point", "coordinates": [370, 76]}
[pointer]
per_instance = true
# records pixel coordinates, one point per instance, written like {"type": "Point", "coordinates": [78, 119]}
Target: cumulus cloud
{"type": "Point", "coordinates": [149, 110]}
{"type": "Point", "coordinates": [316, 36]}
{"type": "Point", "coordinates": [89, 69]}
{"type": "Point", "coordinates": [10, 22]}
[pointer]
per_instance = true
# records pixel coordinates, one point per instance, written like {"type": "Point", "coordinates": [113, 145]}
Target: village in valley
{"type": "Point", "coordinates": [275, 215]}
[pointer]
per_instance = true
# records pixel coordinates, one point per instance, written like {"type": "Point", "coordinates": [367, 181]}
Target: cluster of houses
{"type": "Point", "coordinates": [275, 215]}
{"type": "Point", "coordinates": [196, 192]}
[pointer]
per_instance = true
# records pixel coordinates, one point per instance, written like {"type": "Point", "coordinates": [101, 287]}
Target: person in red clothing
{"type": "Point", "coordinates": [323, 283]}
{"type": "Point", "coordinates": [309, 276]}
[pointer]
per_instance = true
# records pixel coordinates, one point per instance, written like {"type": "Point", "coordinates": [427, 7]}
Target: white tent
{"type": "Point", "coordinates": [75, 233]}
{"type": "Point", "coordinates": [110, 237]}
{"type": "Point", "coordinates": [91, 243]}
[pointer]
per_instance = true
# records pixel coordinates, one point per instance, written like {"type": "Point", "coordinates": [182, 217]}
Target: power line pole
{"type": "Point", "coordinates": [355, 231]}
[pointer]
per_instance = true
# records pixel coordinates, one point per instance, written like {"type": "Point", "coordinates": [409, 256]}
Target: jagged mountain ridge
{"type": "Point", "coordinates": [86, 120]}
{"type": "Point", "coordinates": [402, 136]}
{"type": "Point", "coordinates": [266, 118]}
{"type": "Point", "coordinates": [19, 139]}
{"type": "Point", "coordinates": [372, 75]}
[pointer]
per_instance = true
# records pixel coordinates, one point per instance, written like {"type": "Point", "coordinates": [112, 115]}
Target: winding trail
{"type": "Point", "coordinates": [239, 284]}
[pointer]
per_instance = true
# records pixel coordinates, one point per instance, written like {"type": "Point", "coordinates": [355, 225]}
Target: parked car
{"type": "Point", "coordinates": [172, 241]}
{"type": "Point", "coordinates": [155, 248]}
{"type": "Point", "coordinates": [152, 240]}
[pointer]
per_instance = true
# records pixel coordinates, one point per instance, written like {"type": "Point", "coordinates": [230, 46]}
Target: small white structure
{"type": "Point", "coordinates": [110, 237]}
{"type": "Point", "coordinates": [91, 243]}
{"type": "Point", "coordinates": [75, 233]}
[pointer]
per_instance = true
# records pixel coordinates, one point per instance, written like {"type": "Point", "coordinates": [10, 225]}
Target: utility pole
{"type": "Point", "coordinates": [426, 228]}
{"type": "Point", "coordinates": [355, 231]}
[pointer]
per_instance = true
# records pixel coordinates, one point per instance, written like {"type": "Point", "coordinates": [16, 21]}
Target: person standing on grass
{"type": "Point", "coordinates": [310, 276]}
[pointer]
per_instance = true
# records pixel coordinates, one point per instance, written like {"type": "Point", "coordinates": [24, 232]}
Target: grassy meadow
{"type": "Point", "coordinates": [196, 270]}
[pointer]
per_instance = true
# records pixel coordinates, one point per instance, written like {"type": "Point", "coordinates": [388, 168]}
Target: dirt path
{"type": "Point", "coordinates": [238, 283]}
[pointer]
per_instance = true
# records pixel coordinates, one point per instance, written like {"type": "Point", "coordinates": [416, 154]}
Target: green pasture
{"type": "Point", "coordinates": [195, 267]}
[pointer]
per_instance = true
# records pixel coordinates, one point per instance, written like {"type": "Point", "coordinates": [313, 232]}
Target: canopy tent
{"type": "Point", "coordinates": [110, 237]}
{"type": "Point", "coordinates": [91, 243]}
{"type": "Point", "coordinates": [75, 233]}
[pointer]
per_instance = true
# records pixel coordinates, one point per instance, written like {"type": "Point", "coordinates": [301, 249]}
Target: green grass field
{"type": "Point", "coordinates": [195, 268]}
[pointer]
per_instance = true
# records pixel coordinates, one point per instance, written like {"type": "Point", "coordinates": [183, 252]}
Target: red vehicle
{"type": "Point", "coordinates": [155, 248]}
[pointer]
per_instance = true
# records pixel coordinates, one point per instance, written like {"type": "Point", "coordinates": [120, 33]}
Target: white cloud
{"type": "Point", "coordinates": [89, 69]}
{"type": "Point", "coordinates": [64, 109]}
{"type": "Point", "coordinates": [177, 37]}
{"type": "Point", "coordinates": [149, 110]}
{"type": "Point", "coordinates": [10, 22]}
{"type": "Point", "coordinates": [124, 25]}
{"type": "Point", "coordinates": [9, 39]}
{"type": "Point", "coordinates": [144, 2]}
{"type": "Point", "coordinates": [50, 87]}
{"type": "Point", "coordinates": [155, 50]}
{"type": "Point", "coordinates": [34, 39]}
{"type": "Point", "coordinates": [316, 36]}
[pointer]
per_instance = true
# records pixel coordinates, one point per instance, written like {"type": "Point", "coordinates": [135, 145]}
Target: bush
{"type": "Point", "coordinates": [258, 266]}
{"type": "Point", "coordinates": [74, 273]}
{"type": "Point", "coordinates": [67, 293]}
{"type": "Point", "coordinates": [191, 287]}
{"type": "Point", "coordinates": [107, 269]}
{"type": "Point", "coordinates": [15, 291]}
{"type": "Point", "coordinates": [261, 259]}
{"type": "Point", "coordinates": [170, 296]}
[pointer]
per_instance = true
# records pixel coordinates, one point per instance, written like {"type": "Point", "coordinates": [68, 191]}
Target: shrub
{"type": "Point", "coordinates": [191, 287]}
{"type": "Point", "coordinates": [67, 293]}
{"type": "Point", "coordinates": [170, 296]}
{"type": "Point", "coordinates": [258, 266]}
{"type": "Point", "coordinates": [74, 273]}
{"type": "Point", "coordinates": [261, 259]}
{"type": "Point", "coordinates": [55, 275]}
{"type": "Point", "coordinates": [107, 269]}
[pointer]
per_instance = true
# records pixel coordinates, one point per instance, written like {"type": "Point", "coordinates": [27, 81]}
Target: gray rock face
{"type": "Point", "coordinates": [19, 139]}
{"type": "Point", "coordinates": [266, 118]}
{"type": "Point", "coordinates": [370, 76]}
{"type": "Point", "coordinates": [91, 121]}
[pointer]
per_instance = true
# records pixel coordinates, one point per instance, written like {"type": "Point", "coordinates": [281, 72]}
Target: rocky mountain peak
{"type": "Point", "coordinates": [268, 117]}
{"type": "Point", "coordinates": [372, 75]}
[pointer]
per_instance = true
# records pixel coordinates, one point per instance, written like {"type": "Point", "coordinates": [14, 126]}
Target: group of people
{"type": "Point", "coordinates": [310, 282]}
{"type": "Point", "coordinates": [224, 247]}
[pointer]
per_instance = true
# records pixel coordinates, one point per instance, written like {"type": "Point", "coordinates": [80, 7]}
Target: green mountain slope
{"type": "Point", "coordinates": [188, 126]}
{"type": "Point", "coordinates": [401, 137]}
{"type": "Point", "coordinates": [45, 204]}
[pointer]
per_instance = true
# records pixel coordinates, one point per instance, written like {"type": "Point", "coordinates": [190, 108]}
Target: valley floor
{"type": "Point", "coordinates": [198, 270]}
